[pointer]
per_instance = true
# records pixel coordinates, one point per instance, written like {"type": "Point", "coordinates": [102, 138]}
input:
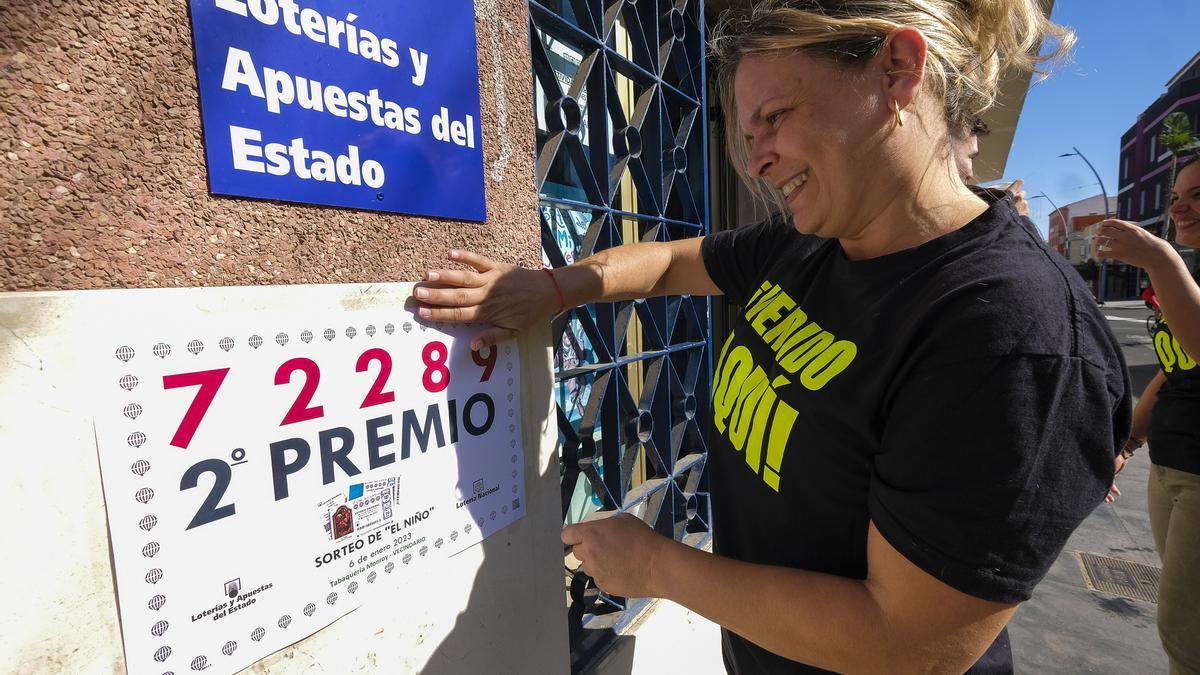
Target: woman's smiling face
{"type": "Point", "coordinates": [1185, 205]}
{"type": "Point", "coordinates": [813, 131]}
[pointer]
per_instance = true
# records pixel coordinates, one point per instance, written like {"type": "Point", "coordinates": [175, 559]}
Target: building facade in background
{"type": "Point", "coordinates": [1070, 233]}
{"type": "Point", "coordinates": [1069, 226]}
{"type": "Point", "coordinates": [1145, 167]}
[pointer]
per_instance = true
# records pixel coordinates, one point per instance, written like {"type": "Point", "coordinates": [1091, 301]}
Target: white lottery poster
{"type": "Point", "coordinates": [266, 474]}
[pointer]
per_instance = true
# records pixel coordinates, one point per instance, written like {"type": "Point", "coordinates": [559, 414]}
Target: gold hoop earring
{"type": "Point", "coordinates": [899, 119]}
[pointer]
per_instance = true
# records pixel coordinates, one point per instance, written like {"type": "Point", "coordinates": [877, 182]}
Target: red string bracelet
{"type": "Point", "coordinates": [562, 304]}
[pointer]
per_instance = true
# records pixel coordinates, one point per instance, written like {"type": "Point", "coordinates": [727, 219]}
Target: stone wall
{"type": "Point", "coordinates": [103, 181]}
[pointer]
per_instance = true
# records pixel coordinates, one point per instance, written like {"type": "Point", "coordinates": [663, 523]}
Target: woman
{"type": "Point", "coordinates": [1168, 414]}
{"type": "Point", "coordinates": [918, 404]}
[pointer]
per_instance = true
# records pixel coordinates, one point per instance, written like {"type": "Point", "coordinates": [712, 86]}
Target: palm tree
{"type": "Point", "coordinates": [1176, 137]}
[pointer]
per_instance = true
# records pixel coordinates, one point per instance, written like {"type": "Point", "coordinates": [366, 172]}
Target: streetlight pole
{"type": "Point", "coordinates": [1061, 216]}
{"type": "Point", "coordinates": [1103, 263]}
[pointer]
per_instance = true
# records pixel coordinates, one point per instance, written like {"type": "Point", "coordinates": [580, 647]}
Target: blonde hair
{"type": "Point", "coordinates": [971, 45]}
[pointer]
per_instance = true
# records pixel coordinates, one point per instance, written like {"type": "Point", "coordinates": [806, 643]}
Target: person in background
{"type": "Point", "coordinates": [968, 151]}
{"type": "Point", "coordinates": [1168, 413]}
{"type": "Point", "coordinates": [918, 402]}
{"type": "Point", "coordinates": [1149, 298]}
{"type": "Point", "coordinates": [964, 161]}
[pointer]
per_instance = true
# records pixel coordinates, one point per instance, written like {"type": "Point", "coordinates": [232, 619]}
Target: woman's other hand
{"type": "Point", "coordinates": [1114, 491]}
{"type": "Point", "coordinates": [620, 552]}
{"type": "Point", "coordinates": [1125, 241]}
{"type": "Point", "coordinates": [505, 298]}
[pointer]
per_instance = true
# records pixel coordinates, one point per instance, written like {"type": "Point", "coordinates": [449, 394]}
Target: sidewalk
{"type": "Point", "coordinates": [1068, 629]}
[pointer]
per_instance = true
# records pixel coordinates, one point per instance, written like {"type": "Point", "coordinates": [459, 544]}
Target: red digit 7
{"type": "Point", "coordinates": [301, 410]}
{"type": "Point", "coordinates": [209, 382]}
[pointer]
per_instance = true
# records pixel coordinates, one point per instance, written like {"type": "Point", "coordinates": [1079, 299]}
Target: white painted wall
{"type": "Point", "coordinates": [496, 608]}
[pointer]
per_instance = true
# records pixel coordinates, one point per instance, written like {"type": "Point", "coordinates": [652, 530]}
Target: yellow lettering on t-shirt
{"type": "Point", "coordinates": [771, 312]}
{"type": "Point", "coordinates": [785, 417]}
{"type": "Point", "coordinates": [824, 366]}
{"type": "Point", "coordinates": [733, 372]}
{"type": "Point", "coordinates": [747, 407]}
{"type": "Point", "coordinates": [785, 328]}
{"type": "Point", "coordinates": [1166, 352]}
{"type": "Point", "coordinates": [743, 408]}
{"type": "Point", "coordinates": [760, 300]}
{"type": "Point", "coordinates": [763, 288]}
{"type": "Point", "coordinates": [806, 351]}
{"type": "Point", "coordinates": [1185, 361]}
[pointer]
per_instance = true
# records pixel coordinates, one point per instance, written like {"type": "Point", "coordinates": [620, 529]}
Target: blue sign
{"type": "Point", "coordinates": [367, 105]}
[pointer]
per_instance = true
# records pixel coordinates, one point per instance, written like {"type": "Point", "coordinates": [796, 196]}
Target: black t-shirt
{"type": "Point", "coordinates": [965, 395]}
{"type": "Point", "coordinates": [1175, 420]}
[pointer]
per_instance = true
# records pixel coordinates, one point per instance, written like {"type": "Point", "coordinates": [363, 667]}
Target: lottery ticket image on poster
{"type": "Point", "coordinates": [365, 507]}
{"type": "Point", "coordinates": [265, 474]}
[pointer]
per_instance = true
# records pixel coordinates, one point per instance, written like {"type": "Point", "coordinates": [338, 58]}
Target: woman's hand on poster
{"type": "Point", "coordinates": [505, 298]}
{"type": "Point", "coordinates": [1125, 241]}
{"type": "Point", "coordinates": [619, 551]}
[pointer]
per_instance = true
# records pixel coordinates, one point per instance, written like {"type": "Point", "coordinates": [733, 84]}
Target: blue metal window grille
{"type": "Point", "coordinates": [619, 88]}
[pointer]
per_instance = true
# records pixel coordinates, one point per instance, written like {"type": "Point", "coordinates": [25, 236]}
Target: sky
{"type": "Point", "coordinates": [1125, 52]}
